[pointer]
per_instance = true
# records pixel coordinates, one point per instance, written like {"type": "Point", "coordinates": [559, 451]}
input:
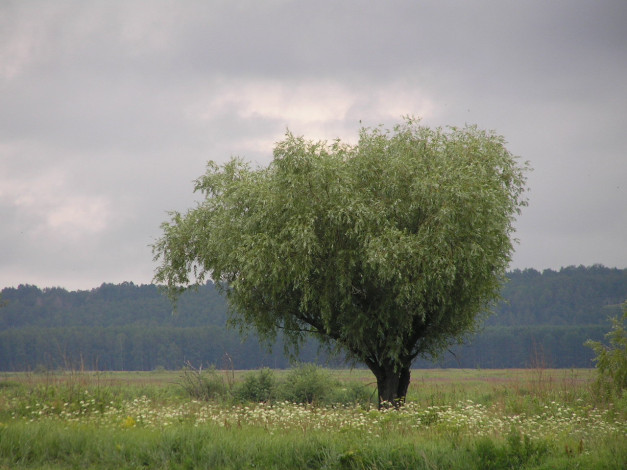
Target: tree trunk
{"type": "Point", "coordinates": [392, 386]}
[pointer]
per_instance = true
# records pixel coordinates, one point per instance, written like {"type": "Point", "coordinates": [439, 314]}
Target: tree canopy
{"type": "Point", "coordinates": [389, 249]}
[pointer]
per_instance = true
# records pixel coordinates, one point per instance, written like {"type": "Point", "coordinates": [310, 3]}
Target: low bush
{"type": "Point", "coordinates": [202, 384]}
{"type": "Point", "coordinates": [612, 360]}
{"type": "Point", "coordinates": [308, 383]}
{"type": "Point", "coordinates": [259, 387]}
{"type": "Point", "coordinates": [352, 393]}
{"type": "Point", "coordinates": [515, 452]}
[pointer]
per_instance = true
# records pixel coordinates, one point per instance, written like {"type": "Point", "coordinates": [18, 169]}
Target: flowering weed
{"type": "Point", "coordinates": [494, 433]}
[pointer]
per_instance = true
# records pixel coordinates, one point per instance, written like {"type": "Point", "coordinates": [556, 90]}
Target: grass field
{"type": "Point", "coordinates": [454, 418]}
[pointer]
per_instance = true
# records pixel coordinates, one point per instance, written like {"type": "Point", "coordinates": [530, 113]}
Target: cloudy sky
{"type": "Point", "coordinates": [110, 109]}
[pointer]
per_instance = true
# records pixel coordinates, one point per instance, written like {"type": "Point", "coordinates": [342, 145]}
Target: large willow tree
{"type": "Point", "coordinates": [387, 250]}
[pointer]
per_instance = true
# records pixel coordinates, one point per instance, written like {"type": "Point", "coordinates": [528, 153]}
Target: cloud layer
{"type": "Point", "coordinates": [109, 111]}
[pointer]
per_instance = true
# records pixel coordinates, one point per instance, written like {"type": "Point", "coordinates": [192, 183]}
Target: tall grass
{"type": "Point", "coordinates": [453, 419]}
{"type": "Point", "coordinates": [51, 444]}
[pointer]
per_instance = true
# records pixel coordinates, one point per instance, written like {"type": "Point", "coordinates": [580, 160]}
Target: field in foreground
{"type": "Point", "coordinates": [454, 419]}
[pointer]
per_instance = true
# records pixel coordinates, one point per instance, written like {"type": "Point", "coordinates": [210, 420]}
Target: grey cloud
{"type": "Point", "coordinates": [116, 106]}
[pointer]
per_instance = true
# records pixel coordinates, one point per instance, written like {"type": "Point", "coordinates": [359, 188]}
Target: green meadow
{"type": "Point", "coordinates": [309, 417]}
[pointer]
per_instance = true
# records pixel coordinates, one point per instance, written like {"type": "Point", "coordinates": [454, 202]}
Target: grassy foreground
{"type": "Point", "coordinates": [454, 419]}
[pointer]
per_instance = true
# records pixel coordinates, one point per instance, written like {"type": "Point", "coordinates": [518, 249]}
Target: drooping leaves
{"type": "Point", "coordinates": [390, 249]}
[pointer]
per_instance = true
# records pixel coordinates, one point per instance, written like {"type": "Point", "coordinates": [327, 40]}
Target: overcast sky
{"type": "Point", "coordinates": [110, 109]}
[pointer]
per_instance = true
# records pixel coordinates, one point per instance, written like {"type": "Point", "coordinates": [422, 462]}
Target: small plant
{"type": "Point", "coordinates": [307, 383]}
{"type": "Point", "coordinates": [202, 384]}
{"type": "Point", "coordinates": [260, 387]}
{"type": "Point", "coordinates": [612, 361]}
{"type": "Point", "coordinates": [352, 393]}
{"type": "Point", "coordinates": [53, 425]}
{"type": "Point", "coordinates": [516, 452]}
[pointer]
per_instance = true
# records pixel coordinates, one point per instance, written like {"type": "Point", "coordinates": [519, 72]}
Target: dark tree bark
{"type": "Point", "coordinates": [392, 384]}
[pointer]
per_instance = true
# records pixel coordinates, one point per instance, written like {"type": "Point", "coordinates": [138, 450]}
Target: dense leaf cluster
{"type": "Point", "coordinates": [612, 359]}
{"type": "Point", "coordinates": [388, 250]}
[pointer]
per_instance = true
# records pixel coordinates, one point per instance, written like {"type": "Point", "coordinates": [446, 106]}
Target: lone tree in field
{"type": "Point", "coordinates": [387, 250]}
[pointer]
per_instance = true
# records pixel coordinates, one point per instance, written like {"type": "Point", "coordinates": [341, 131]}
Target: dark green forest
{"type": "Point", "coordinates": [543, 321]}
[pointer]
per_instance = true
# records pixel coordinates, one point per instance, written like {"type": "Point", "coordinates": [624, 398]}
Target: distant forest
{"type": "Point", "coordinates": [543, 321]}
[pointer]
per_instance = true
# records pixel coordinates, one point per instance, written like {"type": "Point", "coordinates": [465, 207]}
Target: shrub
{"type": "Point", "coordinates": [516, 452]}
{"type": "Point", "coordinates": [308, 383]}
{"type": "Point", "coordinates": [351, 393]}
{"type": "Point", "coordinates": [202, 384]}
{"type": "Point", "coordinates": [258, 387]}
{"type": "Point", "coordinates": [612, 361]}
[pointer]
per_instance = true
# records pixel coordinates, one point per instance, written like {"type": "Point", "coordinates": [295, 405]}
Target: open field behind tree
{"type": "Point", "coordinates": [454, 418]}
{"type": "Point", "coordinates": [422, 379]}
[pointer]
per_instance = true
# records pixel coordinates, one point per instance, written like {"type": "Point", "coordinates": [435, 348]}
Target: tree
{"type": "Point", "coordinates": [612, 361]}
{"type": "Point", "coordinates": [387, 250]}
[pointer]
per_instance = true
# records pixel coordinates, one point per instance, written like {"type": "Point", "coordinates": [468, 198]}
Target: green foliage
{"type": "Point", "coordinates": [258, 387]}
{"type": "Point", "coordinates": [612, 360]}
{"type": "Point", "coordinates": [203, 384]}
{"type": "Point", "coordinates": [389, 250]}
{"type": "Point", "coordinates": [131, 327]}
{"type": "Point", "coordinates": [308, 383]}
{"type": "Point", "coordinates": [62, 400]}
{"type": "Point", "coordinates": [351, 393]}
{"type": "Point", "coordinates": [109, 306]}
{"type": "Point", "coordinates": [515, 452]}
{"type": "Point", "coordinates": [133, 430]}
{"type": "Point", "coordinates": [305, 384]}
{"type": "Point", "coordinates": [55, 445]}
{"type": "Point", "coordinates": [571, 296]}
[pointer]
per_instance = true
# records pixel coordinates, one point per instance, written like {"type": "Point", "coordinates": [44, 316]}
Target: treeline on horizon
{"type": "Point", "coordinates": [543, 321]}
